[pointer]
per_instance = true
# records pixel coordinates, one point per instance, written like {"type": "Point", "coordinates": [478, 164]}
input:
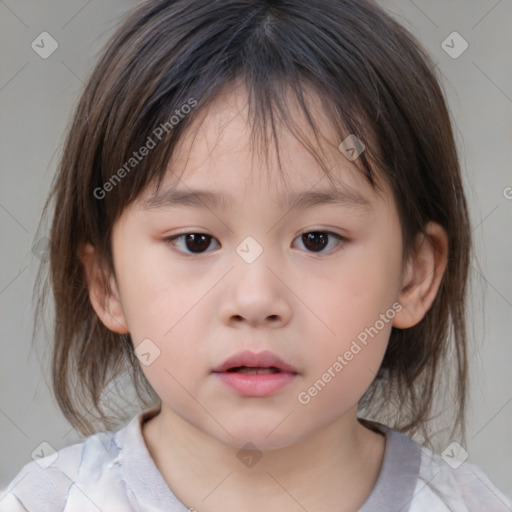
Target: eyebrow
{"type": "Point", "coordinates": [295, 201]}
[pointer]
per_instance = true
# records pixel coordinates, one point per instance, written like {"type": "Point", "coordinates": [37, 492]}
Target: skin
{"type": "Point", "coordinates": [305, 306]}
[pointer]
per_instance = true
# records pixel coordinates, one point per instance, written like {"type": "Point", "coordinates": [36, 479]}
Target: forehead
{"type": "Point", "coordinates": [219, 155]}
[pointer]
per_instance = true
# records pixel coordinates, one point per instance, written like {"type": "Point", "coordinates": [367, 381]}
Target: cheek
{"type": "Point", "coordinates": [355, 302]}
{"type": "Point", "coordinates": [351, 295]}
{"type": "Point", "coordinates": [161, 303]}
{"type": "Point", "coordinates": [345, 370]}
{"type": "Point", "coordinates": [156, 294]}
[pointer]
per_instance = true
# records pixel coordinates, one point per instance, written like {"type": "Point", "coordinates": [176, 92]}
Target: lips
{"type": "Point", "coordinates": [255, 375]}
{"type": "Point", "coordinates": [250, 363]}
{"type": "Point", "coordinates": [253, 371]}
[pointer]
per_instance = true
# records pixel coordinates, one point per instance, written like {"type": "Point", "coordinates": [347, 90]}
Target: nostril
{"type": "Point", "coordinates": [272, 318]}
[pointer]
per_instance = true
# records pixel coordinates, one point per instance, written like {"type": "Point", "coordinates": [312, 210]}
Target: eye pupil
{"type": "Point", "coordinates": [315, 238]}
{"type": "Point", "coordinates": [198, 241]}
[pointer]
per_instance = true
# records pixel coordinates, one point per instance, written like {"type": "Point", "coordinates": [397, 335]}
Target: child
{"type": "Point", "coordinates": [259, 215]}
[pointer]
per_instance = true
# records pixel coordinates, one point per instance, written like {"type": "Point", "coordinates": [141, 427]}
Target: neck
{"type": "Point", "coordinates": [336, 467]}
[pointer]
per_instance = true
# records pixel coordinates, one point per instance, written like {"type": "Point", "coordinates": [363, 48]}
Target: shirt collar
{"type": "Point", "coordinates": [394, 489]}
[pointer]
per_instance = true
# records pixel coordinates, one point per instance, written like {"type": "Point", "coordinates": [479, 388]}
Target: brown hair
{"type": "Point", "coordinates": [373, 79]}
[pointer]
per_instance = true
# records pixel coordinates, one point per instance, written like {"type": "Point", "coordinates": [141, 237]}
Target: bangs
{"type": "Point", "coordinates": [323, 70]}
{"type": "Point", "coordinates": [147, 98]}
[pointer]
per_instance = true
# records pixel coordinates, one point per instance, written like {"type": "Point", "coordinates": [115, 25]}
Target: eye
{"type": "Point", "coordinates": [194, 242]}
{"type": "Point", "coordinates": [316, 241]}
{"type": "Point", "coordinates": [198, 243]}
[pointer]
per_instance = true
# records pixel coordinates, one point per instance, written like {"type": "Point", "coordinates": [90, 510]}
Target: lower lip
{"type": "Point", "coordinates": [256, 384]}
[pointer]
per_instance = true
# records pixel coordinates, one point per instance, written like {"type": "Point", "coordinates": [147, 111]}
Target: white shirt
{"type": "Point", "coordinates": [114, 472]}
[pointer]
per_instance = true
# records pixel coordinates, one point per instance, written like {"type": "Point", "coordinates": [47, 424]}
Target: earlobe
{"type": "Point", "coordinates": [103, 291]}
{"type": "Point", "coordinates": [423, 276]}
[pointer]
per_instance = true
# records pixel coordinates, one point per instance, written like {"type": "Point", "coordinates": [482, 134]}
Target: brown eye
{"type": "Point", "coordinates": [317, 241]}
{"type": "Point", "coordinates": [196, 243]}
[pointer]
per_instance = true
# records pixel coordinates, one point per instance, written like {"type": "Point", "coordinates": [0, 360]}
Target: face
{"type": "Point", "coordinates": [311, 284]}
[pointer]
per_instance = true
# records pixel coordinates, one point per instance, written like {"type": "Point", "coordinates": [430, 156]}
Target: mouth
{"type": "Point", "coordinates": [251, 370]}
{"type": "Point", "coordinates": [255, 375]}
{"type": "Point", "coordinates": [255, 363]}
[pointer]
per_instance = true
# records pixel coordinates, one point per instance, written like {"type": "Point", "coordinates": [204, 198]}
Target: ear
{"type": "Point", "coordinates": [103, 291]}
{"type": "Point", "coordinates": [422, 276]}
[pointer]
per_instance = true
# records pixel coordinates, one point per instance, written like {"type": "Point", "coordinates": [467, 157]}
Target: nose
{"type": "Point", "coordinates": [257, 295]}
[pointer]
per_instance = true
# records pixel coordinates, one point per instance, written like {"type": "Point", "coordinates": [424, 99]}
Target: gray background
{"type": "Point", "coordinates": [36, 99]}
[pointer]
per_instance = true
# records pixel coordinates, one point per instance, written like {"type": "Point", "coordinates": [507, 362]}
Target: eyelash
{"type": "Point", "coordinates": [171, 241]}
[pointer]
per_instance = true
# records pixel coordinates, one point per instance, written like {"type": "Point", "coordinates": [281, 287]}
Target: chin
{"type": "Point", "coordinates": [262, 434]}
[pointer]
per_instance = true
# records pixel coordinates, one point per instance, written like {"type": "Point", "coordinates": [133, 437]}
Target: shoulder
{"type": "Point", "coordinates": [49, 483]}
{"type": "Point", "coordinates": [449, 484]}
{"type": "Point", "coordinates": [415, 479]}
{"type": "Point", "coordinates": [43, 483]}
